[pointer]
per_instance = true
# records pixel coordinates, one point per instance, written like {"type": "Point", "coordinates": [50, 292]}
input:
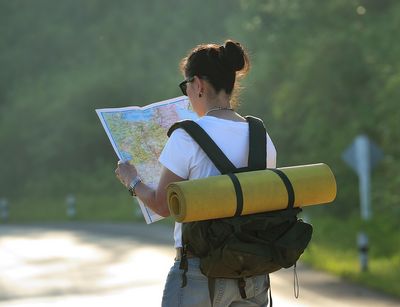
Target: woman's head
{"type": "Point", "coordinates": [221, 65]}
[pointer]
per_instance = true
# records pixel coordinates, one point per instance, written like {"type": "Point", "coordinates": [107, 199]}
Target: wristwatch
{"type": "Point", "coordinates": [131, 188]}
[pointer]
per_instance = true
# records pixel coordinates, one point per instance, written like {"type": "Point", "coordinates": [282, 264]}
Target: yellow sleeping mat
{"type": "Point", "coordinates": [216, 197]}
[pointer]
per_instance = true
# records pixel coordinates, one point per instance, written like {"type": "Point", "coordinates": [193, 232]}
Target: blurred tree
{"type": "Point", "coordinates": [60, 61]}
{"type": "Point", "coordinates": [324, 72]}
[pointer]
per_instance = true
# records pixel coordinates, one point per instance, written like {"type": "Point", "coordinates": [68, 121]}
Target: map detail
{"type": "Point", "coordinates": [138, 134]}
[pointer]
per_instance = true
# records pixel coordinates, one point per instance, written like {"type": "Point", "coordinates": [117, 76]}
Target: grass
{"type": "Point", "coordinates": [119, 207]}
{"type": "Point", "coordinates": [116, 208]}
{"type": "Point", "coordinates": [382, 274]}
{"type": "Point", "coordinates": [333, 249]}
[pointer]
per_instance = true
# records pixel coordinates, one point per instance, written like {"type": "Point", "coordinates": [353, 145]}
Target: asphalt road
{"type": "Point", "coordinates": [84, 264]}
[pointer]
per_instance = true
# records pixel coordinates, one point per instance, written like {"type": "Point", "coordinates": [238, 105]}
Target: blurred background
{"type": "Point", "coordinates": [323, 73]}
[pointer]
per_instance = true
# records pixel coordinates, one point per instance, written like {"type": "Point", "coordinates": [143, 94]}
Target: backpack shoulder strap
{"type": "Point", "coordinates": [221, 162]}
{"type": "Point", "coordinates": [258, 144]}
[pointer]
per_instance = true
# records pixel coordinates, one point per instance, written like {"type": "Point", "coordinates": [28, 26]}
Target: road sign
{"type": "Point", "coordinates": [362, 156]}
{"type": "Point", "coordinates": [362, 146]}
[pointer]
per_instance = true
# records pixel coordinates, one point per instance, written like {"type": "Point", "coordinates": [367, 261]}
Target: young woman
{"type": "Point", "coordinates": [211, 72]}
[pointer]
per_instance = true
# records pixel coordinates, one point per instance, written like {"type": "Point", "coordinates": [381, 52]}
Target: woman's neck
{"type": "Point", "coordinates": [216, 109]}
{"type": "Point", "coordinates": [219, 101]}
{"type": "Point", "coordinates": [220, 107]}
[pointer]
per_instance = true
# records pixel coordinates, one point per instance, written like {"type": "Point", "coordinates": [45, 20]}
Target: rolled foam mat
{"type": "Point", "coordinates": [262, 191]}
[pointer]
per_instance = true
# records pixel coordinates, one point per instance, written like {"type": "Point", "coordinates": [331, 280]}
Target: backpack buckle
{"type": "Point", "coordinates": [242, 287]}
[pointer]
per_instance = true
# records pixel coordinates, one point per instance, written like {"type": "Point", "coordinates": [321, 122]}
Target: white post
{"type": "Point", "coordinates": [4, 210]}
{"type": "Point", "coordinates": [362, 147]}
{"type": "Point", "coordinates": [71, 206]}
{"type": "Point", "coordinates": [364, 174]}
{"type": "Point", "coordinates": [362, 242]}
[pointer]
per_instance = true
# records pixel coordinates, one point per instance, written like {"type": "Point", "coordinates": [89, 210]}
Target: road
{"type": "Point", "coordinates": [88, 264]}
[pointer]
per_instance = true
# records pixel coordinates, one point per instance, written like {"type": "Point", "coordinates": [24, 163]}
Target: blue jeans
{"type": "Point", "coordinates": [226, 293]}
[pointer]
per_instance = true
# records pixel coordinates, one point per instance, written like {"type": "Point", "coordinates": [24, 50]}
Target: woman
{"type": "Point", "coordinates": [211, 74]}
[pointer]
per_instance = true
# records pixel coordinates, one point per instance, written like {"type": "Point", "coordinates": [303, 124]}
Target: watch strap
{"type": "Point", "coordinates": [131, 188]}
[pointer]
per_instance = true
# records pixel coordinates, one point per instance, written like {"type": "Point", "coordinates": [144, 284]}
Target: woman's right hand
{"type": "Point", "coordinates": [126, 172]}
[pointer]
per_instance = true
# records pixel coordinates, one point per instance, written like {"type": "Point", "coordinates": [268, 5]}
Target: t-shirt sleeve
{"type": "Point", "coordinates": [177, 154]}
{"type": "Point", "coordinates": [271, 153]}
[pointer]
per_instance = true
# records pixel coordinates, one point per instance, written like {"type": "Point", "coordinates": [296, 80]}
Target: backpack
{"type": "Point", "coordinates": [243, 246]}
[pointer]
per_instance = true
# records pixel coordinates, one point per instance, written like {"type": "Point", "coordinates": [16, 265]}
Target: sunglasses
{"type": "Point", "coordinates": [183, 85]}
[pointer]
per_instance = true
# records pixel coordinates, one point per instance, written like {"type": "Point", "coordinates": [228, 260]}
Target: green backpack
{"type": "Point", "coordinates": [248, 245]}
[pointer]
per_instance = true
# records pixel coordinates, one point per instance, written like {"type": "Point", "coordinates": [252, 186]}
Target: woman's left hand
{"type": "Point", "coordinates": [126, 172]}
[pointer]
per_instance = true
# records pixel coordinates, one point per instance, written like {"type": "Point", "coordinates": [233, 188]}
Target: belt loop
{"type": "Point", "coordinates": [178, 254]}
{"type": "Point", "coordinates": [242, 287]}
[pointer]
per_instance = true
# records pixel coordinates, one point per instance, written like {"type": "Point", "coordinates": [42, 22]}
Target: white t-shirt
{"type": "Point", "coordinates": [184, 157]}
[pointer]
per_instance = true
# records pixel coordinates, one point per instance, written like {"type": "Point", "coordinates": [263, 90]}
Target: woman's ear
{"type": "Point", "coordinates": [198, 85]}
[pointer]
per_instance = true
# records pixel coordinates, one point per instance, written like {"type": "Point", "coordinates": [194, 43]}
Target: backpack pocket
{"type": "Point", "coordinates": [290, 246]}
{"type": "Point", "coordinates": [238, 259]}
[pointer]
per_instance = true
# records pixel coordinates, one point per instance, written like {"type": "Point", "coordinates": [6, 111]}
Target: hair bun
{"type": "Point", "coordinates": [233, 55]}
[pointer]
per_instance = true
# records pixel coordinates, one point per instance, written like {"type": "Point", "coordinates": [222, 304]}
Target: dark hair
{"type": "Point", "coordinates": [221, 65]}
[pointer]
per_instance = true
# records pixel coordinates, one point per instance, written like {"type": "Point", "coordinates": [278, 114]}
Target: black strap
{"type": "Point", "coordinates": [221, 162]}
{"type": "Point", "coordinates": [257, 144]}
{"type": "Point", "coordinates": [239, 194]}
{"type": "Point", "coordinates": [288, 185]}
{"type": "Point", "coordinates": [183, 265]}
{"type": "Point", "coordinates": [211, 289]}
